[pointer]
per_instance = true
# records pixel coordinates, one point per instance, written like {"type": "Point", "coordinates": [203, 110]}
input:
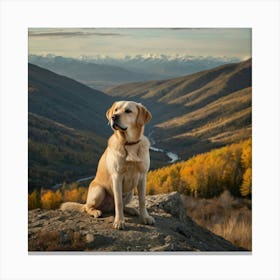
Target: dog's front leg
{"type": "Point", "coordinates": [117, 189]}
{"type": "Point", "coordinates": [145, 217]}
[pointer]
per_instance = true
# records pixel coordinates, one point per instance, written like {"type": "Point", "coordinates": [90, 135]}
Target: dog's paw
{"type": "Point", "coordinates": [119, 224]}
{"type": "Point", "coordinates": [94, 212]}
{"type": "Point", "coordinates": [97, 214]}
{"type": "Point", "coordinates": [148, 220]}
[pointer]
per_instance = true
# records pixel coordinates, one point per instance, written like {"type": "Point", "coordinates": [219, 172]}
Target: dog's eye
{"type": "Point", "coordinates": [127, 111]}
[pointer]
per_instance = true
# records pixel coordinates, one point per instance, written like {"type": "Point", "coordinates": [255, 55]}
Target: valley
{"type": "Point", "coordinates": [198, 112]}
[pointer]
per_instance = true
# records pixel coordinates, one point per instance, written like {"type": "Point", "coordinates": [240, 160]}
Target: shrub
{"type": "Point", "coordinates": [34, 200]}
{"type": "Point", "coordinates": [246, 187]}
{"type": "Point", "coordinates": [51, 199]}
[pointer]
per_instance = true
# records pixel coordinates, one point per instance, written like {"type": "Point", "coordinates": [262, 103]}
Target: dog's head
{"type": "Point", "coordinates": [127, 115]}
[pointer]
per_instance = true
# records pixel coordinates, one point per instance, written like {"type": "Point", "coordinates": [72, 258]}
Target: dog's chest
{"type": "Point", "coordinates": [131, 176]}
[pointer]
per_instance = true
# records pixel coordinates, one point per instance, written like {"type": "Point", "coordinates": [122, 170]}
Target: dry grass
{"type": "Point", "coordinates": [225, 215]}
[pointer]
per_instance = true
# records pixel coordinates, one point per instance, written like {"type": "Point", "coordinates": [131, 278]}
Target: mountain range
{"type": "Point", "coordinates": [103, 72]}
{"type": "Point", "coordinates": [94, 75]}
{"type": "Point", "coordinates": [164, 65]}
{"type": "Point", "coordinates": [191, 114]}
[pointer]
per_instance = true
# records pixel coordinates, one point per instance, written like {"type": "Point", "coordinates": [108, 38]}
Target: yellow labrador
{"type": "Point", "coordinates": [122, 167]}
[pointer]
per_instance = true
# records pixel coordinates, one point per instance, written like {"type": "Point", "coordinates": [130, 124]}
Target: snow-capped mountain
{"type": "Point", "coordinates": [165, 65]}
{"type": "Point", "coordinates": [101, 72]}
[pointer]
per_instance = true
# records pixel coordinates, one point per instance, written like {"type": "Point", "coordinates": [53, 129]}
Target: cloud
{"type": "Point", "coordinates": [187, 28]}
{"type": "Point", "coordinates": [70, 34]}
{"type": "Point", "coordinates": [107, 34]}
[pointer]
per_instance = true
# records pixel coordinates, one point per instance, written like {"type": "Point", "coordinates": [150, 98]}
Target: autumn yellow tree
{"type": "Point", "coordinates": [51, 199]}
{"type": "Point", "coordinates": [75, 194]}
{"type": "Point", "coordinates": [246, 187]}
{"type": "Point", "coordinates": [208, 174]}
{"type": "Point", "coordinates": [204, 175]}
{"type": "Point", "coordinates": [34, 200]}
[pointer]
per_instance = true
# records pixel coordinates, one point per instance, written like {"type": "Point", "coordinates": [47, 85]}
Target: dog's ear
{"type": "Point", "coordinates": [110, 111]}
{"type": "Point", "coordinates": [144, 115]}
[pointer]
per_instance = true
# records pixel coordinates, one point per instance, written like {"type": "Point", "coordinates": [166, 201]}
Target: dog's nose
{"type": "Point", "coordinates": [115, 117]}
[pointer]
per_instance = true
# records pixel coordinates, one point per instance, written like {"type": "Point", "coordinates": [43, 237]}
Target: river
{"type": "Point", "coordinates": [173, 157]}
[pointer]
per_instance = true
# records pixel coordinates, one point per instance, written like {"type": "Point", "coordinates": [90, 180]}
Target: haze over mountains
{"type": "Point", "coordinates": [97, 76]}
{"type": "Point", "coordinates": [164, 65]}
{"type": "Point", "coordinates": [191, 114]}
{"type": "Point", "coordinates": [103, 72]}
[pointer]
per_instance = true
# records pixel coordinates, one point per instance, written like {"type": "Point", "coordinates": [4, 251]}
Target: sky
{"type": "Point", "coordinates": [119, 42]}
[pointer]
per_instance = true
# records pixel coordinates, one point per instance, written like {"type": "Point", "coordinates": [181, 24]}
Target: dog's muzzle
{"type": "Point", "coordinates": [115, 123]}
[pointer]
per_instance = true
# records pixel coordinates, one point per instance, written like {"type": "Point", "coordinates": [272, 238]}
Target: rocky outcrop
{"type": "Point", "coordinates": [54, 230]}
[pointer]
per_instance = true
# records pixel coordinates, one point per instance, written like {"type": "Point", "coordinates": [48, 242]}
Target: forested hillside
{"type": "Point", "coordinates": [67, 130]}
{"type": "Point", "coordinates": [67, 101]}
{"type": "Point", "coordinates": [58, 153]}
{"type": "Point", "coordinates": [209, 174]}
{"type": "Point", "coordinates": [206, 175]}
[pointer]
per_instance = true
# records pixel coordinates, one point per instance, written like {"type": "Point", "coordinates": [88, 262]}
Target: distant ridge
{"type": "Point", "coordinates": [66, 101]}
{"type": "Point", "coordinates": [173, 65]}
{"type": "Point", "coordinates": [101, 72]}
{"type": "Point", "coordinates": [200, 111]}
{"type": "Point", "coordinates": [90, 73]}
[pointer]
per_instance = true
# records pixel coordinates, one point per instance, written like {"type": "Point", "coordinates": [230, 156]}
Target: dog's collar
{"type": "Point", "coordinates": [131, 143]}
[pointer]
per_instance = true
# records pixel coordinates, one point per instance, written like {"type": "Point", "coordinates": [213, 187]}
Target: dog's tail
{"type": "Point", "coordinates": [70, 206]}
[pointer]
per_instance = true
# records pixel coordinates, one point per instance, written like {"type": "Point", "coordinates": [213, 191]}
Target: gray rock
{"type": "Point", "coordinates": [89, 238]}
{"type": "Point", "coordinates": [55, 230]}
